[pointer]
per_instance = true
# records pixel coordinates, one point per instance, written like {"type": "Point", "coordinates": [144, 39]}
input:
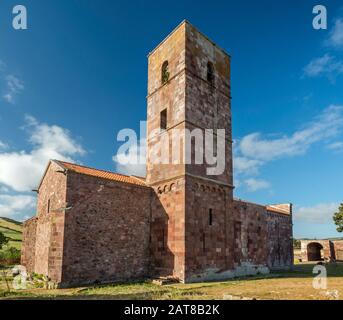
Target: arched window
{"type": "Point", "coordinates": [210, 73]}
{"type": "Point", "coordinates": [165, 72]}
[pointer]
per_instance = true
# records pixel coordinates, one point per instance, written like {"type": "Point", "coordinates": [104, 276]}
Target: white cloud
{"type": "Point", "coordinates": [22, 170]}
{"type": "Point", "coordinates": [13, 205]}
{"type": "Point", "coordinates": [318, 65]}
{"type": "Point", "coordinates": [256, 184]}
{"type": "Point", "coordinates": [320, 213]}
{"type": "Point", "coordinates": [326, 65]}
{"type": "Point", "coordinates": [335, 146]}
{"type": "Point", "coordinates": [3, 145]}
{"type": "Point", "coordinates": [328, 124]}
{"type": "Point", "coordinates": [14, 87]}
{"type": "Point", "coordinates": [245, 165]}
{"type": "Point", "coordinates": [336, 35]}
{"type": "Point", "coordinates": [131, 169]}
{"type": "Point", "coordinates": [132, 162]}
{"type": "Point", "coordinates": [237, 182]}
{"type": "Point", "coordinates": [255, 150]}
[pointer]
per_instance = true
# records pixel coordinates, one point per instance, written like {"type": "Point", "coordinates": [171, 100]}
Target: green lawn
{"type": "Point", "coordinates": [12, 230]}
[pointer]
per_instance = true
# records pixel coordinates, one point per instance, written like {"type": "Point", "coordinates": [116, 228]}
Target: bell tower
{"type": "Point", "coordinates": [189, 94]}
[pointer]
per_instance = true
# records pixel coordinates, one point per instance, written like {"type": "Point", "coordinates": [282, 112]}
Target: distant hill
{"type": "Point", "coordinates": [12, 229]}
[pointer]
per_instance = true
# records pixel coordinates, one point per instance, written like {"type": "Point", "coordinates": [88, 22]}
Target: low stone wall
{"type": "Point", "coordinates": [325, 252]}
{"type": "Point", "coordinates": [338, 248]}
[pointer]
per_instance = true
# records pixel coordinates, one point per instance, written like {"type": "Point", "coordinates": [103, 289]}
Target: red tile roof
{"type": "Point", "coordinates": [102, 173]}
{"type": "Point", "coordinates": [278, 210]}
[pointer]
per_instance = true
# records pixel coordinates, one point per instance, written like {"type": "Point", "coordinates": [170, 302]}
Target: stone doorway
{"type": "Point", "coordinates": [315, 252]}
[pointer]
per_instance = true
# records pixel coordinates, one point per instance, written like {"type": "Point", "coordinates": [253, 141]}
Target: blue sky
{"type": "Point", "coordinates": [78, 75]}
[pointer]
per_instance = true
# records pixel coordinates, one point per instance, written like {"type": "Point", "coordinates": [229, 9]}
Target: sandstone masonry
{"type": "Point", "coordinates": [98, 226]}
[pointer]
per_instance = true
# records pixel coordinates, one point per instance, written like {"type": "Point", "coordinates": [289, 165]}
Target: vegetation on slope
{"type": "Point", "coordinates": [12, 230]}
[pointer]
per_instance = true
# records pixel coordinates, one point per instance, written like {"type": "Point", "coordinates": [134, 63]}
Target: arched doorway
{"type": "Point", "coordinates": [315, 251]}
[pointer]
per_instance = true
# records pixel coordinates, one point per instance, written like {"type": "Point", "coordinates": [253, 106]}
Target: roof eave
{"type": "Point", "coordinates": [46, 170]}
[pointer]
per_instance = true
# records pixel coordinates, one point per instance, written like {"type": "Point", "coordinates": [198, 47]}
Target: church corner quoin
{"type": "Point", "coordinates": [94, 226]}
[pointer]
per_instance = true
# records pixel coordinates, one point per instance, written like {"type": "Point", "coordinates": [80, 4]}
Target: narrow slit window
{"type": "Point", "coordinates": [210, 217]}
{"type": "Point", "coordinates": [48, 207]}
{"type": "Point", "coordinates": [163, 120]}
{"type": "Point", "coordinates": [210, 73]}
{"type": "Point", "coordinates": [165, 72]}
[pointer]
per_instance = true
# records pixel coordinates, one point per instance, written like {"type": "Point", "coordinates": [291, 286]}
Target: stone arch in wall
{"type": "Point", "coordinates": [315, 251]}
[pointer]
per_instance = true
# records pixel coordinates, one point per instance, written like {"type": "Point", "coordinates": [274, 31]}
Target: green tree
{"type": "Point", "coordinates": [296, 244]}
{"type": "Point", "coordinates": [338, 218]}
{"type": "Point", "coordinates": [3, 240]}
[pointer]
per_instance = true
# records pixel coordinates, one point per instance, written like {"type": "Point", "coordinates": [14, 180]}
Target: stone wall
{"type": "Point", "coordinates": [168, 229]}
{"type": "Point", "coordinates": [338, 249]}
{"type": "Point", "coordinates": [279, 240]}
{"type": "Point", "coordinates": [56, 250]}
{"type": "Point", "coordinates": [250, 233]}
{"type": "Point", "coordinates": [28, 247]}
{"type": "Point", "coordinates": [208, 105]}
{"type": "Point", "coordinates": [49, 245]}
{"type": "Point", "coordinates": [262, 237]}
{"type": "Point", "coordinates": [208, 229]}
{"type": "Point", "coordinates": [326, 248]}
{"type": "Point", "coordinates": [52, 191]}
{"type": "Point", "coordinates": [107, 230]}
{"type": "Point", "coordinates": [43, 235]}
{"type": "Point", "coordinates": [51, 205]}
{"type": "Point", "coordinates": [191, 101]}
{"type": "Point", "coordinates": [43, 245]}
{"type": "Point", "coordinates": [169, 96]}
{"type": "Point", "coordinates": [329, 249]}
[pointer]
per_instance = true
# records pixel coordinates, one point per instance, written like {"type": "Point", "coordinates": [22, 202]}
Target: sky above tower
{"type": "Point", "coordinates": [78, 75]}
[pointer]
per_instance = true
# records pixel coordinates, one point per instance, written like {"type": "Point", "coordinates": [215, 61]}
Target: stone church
{"type": "Point", "coordinates": [97, 226]}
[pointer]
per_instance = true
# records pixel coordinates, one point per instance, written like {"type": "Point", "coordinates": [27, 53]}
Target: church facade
{"type": "Point", "coordinates": [178, 221]}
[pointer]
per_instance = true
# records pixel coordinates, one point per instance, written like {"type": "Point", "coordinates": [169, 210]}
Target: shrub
{"type": "Point", "coordinates": [10, 256]}
{"type": "Point", "coordinates": [3, 240]}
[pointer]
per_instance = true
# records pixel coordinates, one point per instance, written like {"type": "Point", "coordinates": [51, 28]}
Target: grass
{"type": "Point", "coordinates": [13, 230]}
{"type": "Point", "coordinates": [296, 284]}
{"type": "Point", "coordinates": [11, 224]}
